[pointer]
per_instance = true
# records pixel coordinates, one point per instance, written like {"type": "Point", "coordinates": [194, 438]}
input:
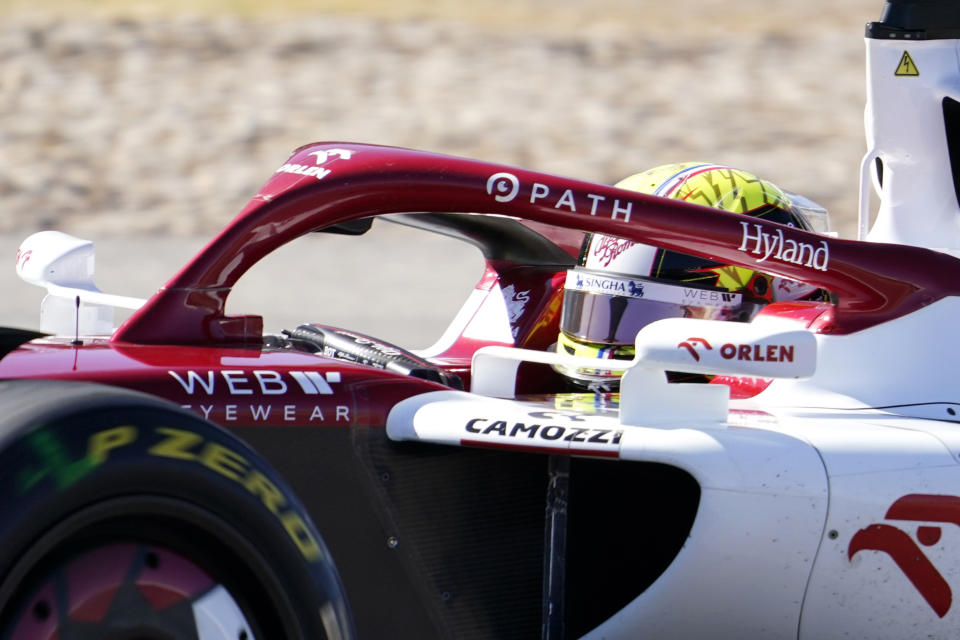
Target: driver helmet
{"type": "Point", "coordinates": [620, 286]}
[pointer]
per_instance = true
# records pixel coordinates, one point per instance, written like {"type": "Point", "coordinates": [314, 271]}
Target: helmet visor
{"type": "Point", "coordinates": [610, 309]}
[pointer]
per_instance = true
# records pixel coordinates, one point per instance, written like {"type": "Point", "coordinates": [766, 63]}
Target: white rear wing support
{"type": "Point", "coordinates": [908, 82]}
{"type": "Point", "coordinates": [64, 266]}
{"type": "Point", "coordinates": [677, 344]}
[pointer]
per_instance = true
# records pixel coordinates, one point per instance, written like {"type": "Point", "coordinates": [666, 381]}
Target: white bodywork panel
{"type": "Point", "coordinates": [772, 551]}
{"type": "Point", "coordinates": [793, 536]}
{"type": "Point", "coordinates": [905, 130]}
{"type": "Point", "coordinates": [855, 371]}
{"type": "Point", "coordinates": [773, 506]}
{"type": "Point", "coordinates": [64, 266]}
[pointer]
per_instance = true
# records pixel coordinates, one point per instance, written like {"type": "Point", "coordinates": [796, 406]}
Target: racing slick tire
{"type": "Point", "coordinates": [123, 516]}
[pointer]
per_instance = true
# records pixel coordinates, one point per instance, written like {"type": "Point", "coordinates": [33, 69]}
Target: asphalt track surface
{"type": "Point", "coordinates": [399, 284]}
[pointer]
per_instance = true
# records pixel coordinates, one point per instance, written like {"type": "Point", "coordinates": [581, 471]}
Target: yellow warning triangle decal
{"type": "Point", "coordinates": [906, 66]}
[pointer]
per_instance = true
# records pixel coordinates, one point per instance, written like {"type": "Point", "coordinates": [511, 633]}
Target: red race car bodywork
{"type": "Point", "coordinates": [320, 482]}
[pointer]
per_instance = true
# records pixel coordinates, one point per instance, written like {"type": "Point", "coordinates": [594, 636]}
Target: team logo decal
{"type": "Point", "coordinates": [218, 395]}
{"type": "Point", "coordinates": [516, 302]}
{"type": "Point", "coordinates": [505, 187]}
{"type": "Point", "coordinates": [607, 249]}
{"type": "Point", "coordinates": [907, 554]}
{"type": "Point", "coordinates": [748, 352]}
{"type": "Point", "coordinates": [599, 284]}
{"type": "Point", "coordinates": [774, 245]}
{"type": "Point", "coordinates": [548, 429]}
{"type": "Point", "coordinates": [22, 258]}
{"type": "Point", "coordinates": [690, 344]}
{"type": "Point", "coordinates": [319, 158]}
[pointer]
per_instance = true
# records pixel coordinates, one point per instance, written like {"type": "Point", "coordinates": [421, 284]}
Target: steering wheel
{"type": "Point", "coordinates": [333, 342]}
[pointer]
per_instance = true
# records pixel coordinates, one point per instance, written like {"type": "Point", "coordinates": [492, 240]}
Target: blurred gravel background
{"type": "Point", "coordinates": [130, 118]}
{"type": "Point", "coordinates": [146, 127]}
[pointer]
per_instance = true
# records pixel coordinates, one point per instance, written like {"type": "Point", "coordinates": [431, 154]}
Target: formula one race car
{"type": "Point", "coordinates": [190, 476]}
